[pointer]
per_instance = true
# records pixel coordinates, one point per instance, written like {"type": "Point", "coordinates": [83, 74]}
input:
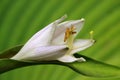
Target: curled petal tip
{"type": "Point", "coordinates": [61, 19]}
{"type": "Point", "coordinates": [82, 19]}
{"type": "Point", "coordinates": [65, 16]}
{"type": "Point", "coordinates": [81, 59]}
{"type": "Point", "coordinates": [93, 41]}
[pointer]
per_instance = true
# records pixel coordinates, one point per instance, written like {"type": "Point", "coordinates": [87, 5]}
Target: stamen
{"type": "Point", "coordinates": [91, 34]}
{"type": "Point", "coordinates": [72, 28]}
{"type": "Point", "coordinates": [66, 34]}
{"type": "Point", "coordinates": [69, 36]}
{"type": "Point", "coordinates": [69, 31]}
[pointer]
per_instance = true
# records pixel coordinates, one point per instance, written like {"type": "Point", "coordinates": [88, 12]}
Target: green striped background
{"type": "Point", "coordinates": [20, 19]}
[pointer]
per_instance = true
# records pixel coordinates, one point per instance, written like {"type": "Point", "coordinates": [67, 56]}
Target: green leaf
{"type": "Point", "coordinates": [95, 68]}
{"type": "Point", "coordinates": [90, 68]}
{"type": "Point", "coordinates": [9, 64]}
{"type": "Point", "coordinates": [10, 52]}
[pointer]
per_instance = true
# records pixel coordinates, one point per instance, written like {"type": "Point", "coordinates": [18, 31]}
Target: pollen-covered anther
{"type": "Point", "coordinates": [69, 31]}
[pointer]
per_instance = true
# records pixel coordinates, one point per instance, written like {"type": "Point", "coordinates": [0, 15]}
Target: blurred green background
{"type": "Point", "coordinates": [20, 19]}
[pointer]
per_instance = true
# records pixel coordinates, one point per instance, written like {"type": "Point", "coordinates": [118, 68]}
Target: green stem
{"type": "Point", "coordinates": [91, 67]}
{"type": "Point", "coordinates": [9, 64]}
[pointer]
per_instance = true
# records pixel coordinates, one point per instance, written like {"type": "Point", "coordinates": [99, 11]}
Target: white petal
{"type": "Point", "coordinates": [67, 58]}
{"type": "Point", "coordinates": [42, 40]}
{"type": "Point", "coordinates": [42, 37]}
{"type": "Point", "coordinates": [44, 30]}
{"type": "Point", "coordinates": [61, 28]}
{"type": "Point", "coordinates": [43, 53]}
{"type": "Point", "coordinates": [70, 58]}
{"type": "Point", "coordinates": [61, 19]}
{"type": "Point", "coordinates": [81, 44]}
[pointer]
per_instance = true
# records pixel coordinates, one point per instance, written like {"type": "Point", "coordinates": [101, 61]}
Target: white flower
{"type": "Point", "coordinates": [55, 42]}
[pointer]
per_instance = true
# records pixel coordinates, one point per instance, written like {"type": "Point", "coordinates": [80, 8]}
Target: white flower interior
{"type": "Point", "coordinates": [55, 42]}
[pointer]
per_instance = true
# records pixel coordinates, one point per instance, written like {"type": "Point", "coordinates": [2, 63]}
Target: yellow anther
{"type": "Point", "coordinates": [72, 28]}
{"type": "Point", "coordinates": [66, 34]}
{"type": "Point", "coordinates": [69, 36]}
{"type": "Point", "coordinates": [91, 34]}
{"type": "Point", "coordinates": [69, 31]}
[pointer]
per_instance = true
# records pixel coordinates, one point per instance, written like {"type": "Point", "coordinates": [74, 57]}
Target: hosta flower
{"type": "Point", "coordinates": [55, 42]}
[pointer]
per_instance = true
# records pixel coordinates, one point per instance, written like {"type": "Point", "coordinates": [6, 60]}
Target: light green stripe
{"type": "Point", "coordinates": [9, 22]}
{"type": "Point", "coordinates": [102, 32]}
{"type": "Point", "coordinates": [24, 20]}
{"type": "Point", "coordinates": [26, 17]}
